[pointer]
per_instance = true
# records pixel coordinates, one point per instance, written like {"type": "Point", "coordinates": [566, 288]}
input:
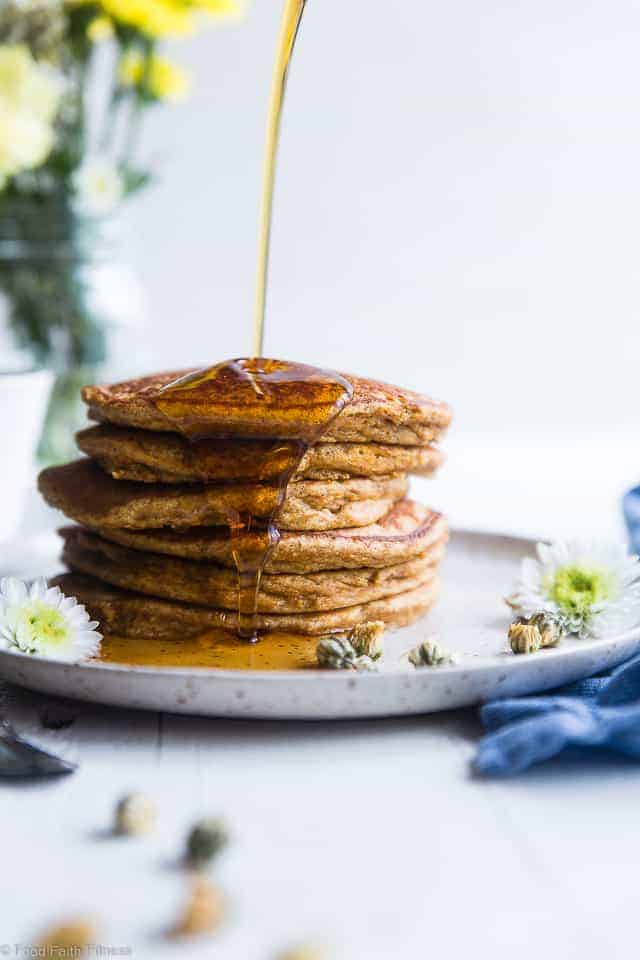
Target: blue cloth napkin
{"type": "Point", "coordinates": [631, 510]}
{"type": "Point", "coordinates": [600, 712]}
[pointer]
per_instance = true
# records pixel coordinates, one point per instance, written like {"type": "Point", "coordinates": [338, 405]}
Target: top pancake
{"type": "Point", "coordinates": [378, 412]}
{"type": "Point", "coordinates": [151, 457]}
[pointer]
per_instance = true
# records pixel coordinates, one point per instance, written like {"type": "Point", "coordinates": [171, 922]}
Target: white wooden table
{"type": "Point", "coordinates": [369, 837]}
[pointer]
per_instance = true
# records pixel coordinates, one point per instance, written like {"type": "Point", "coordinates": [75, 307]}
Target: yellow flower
{"type": "Point", "coordinates": [164, 18]}
{"type": "Point", "coordinates": [158, 77]}
{"type": "Point", "coordinates": [157, 18]}
{"type": "Point", "coordinates": [218, 8]}
{"type": "Point", "coordinates": [101, 28]}
{"type": "Point", "coordinates": [29, 97]}
{"type": "Point", "coordinates": [26, 85]}
{"type": "Point", "coordinates": [24, 143]}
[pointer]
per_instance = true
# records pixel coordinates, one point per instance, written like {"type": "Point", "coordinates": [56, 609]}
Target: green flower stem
{"type": "Point", "coordinates": [106, 138]}
{"type": "Point", "coordinates": [134, 128]}
{"type": "Point", "coordinates": [138, 102]}
{"type": "Point", "coordinates": [115, 101]}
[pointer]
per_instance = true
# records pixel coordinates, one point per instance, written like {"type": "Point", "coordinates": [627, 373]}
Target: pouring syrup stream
{"type": "Point", "coordinates": [291, 18]}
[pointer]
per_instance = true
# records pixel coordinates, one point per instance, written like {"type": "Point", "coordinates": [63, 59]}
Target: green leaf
{"type": "Point", "coordinates": [135, 179]}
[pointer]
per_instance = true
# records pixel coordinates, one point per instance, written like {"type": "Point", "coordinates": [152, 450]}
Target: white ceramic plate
{"type": "Point", "coordinates": [470, 619]}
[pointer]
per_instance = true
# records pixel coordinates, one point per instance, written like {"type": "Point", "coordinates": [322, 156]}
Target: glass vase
{"type": "Point", "coordinates": [57, 275]}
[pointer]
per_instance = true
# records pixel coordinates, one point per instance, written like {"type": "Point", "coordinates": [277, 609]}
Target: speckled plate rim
{"type": "Point", "coordinates": [323, 694]}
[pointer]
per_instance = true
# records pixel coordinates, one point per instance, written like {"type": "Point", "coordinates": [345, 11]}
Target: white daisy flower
{"type": "Point", "coordinates": [592, 587]}
{"type": "Point", "coordinates": [98, 185]}
{"type": "Point", "coordinates": [40, 620]}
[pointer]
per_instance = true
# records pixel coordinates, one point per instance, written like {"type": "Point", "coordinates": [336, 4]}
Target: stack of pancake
{"type": "Point", "coordinates": [151, 554]}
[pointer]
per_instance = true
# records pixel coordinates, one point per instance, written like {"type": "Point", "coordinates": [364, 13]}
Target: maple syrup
{"type": "Point", "coordinates": [218, 649]}
{"type": "Point", "coordinates": [286, 407]}
{"type": "Point", "coordinates": [291, 18]}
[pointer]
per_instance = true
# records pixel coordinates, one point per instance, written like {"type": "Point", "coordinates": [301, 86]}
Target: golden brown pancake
{"type": "Point", "coordinates": [122, 613]}
{"type": "Point", "coordinates": [84, 492]}
{"type": "Point", "coordinates": [378, 412]}
{"type": "Point", "coordinates": [408, 530]}
{"type": "Point", "coordinates": [210, 585]}
{"type": "Point", "coordinates": [151, 457]}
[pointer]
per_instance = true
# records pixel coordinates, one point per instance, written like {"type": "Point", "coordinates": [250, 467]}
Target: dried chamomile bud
{"type": "Point", "coordinates": [338, 653]}
{"type": "Point", "coordinates": [524, 637]}
{"type": "Point", "coordinates": [551, 628]}
{"type": "Point", "coordinates": [366, 638]}
{"type": "Point", "coordinates": [202, 912]}
{"type": "Point", "coordinates": [335, 653]}
{"type": "Point", "coordinates": [530, 634]}
{"type": "Point", "coordinates": [135, 815]}
{"type": "Point", "coordinates": [365, 664]}
{"type": "Point", "coordinates": [68, 939]}
{"type": "Point", "coordinates": [205, 841]}
{"type": "Point", "coordinates": [430, 654]}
